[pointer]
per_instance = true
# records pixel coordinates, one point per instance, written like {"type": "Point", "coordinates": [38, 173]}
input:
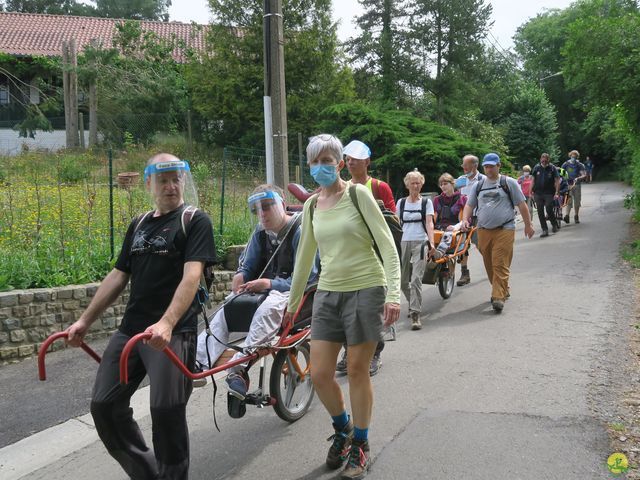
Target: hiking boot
{"type": "Point", "coordinates": [464, 278]}
{"type": "Point", "coordinates": [554, 228]}
{"type": "Point", "coordinates": [497, 305]}
{"type": "Point", "coordinates": [566, 219]}
{"type": "Point", "coordinates": [376, 363]}
{"type": "Point", "coordinates": [341, 366]}
{"type": "Point", "coordinates": [416, 324]}
{"type": "Point", "coordinates": [545, 233]}
{"type": "Point", "coordinates": [340, 445]}
{"type": "Point", "coordinates": [359, 461]}
{"type": "Point", "coordinates": [576, 219]}
{"type": "Point", "coordinates": [238, 384]}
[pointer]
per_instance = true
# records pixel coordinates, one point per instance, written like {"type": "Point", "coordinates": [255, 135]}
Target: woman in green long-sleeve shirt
{"type": "Point", "coordinates": [357, 295]}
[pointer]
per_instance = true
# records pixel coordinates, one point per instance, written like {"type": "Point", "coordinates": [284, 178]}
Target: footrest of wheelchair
{"type": "Point", "coordinates": [236, 407]}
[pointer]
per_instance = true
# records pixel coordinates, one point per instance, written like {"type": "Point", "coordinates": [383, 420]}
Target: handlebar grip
{"type": "Point", "coordinates": [126, 351]}
{"type": "Point", "coordinates": [42, 373]}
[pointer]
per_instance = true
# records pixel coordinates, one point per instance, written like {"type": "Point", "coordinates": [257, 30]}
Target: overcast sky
{"type": "Point", "coordinates": [508, 15]}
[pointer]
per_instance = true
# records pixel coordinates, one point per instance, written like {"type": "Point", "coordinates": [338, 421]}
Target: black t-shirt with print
{"type": "Point", "coordinates": [154, 253]}
{"type": "Point", "coordinates": [544, 179]}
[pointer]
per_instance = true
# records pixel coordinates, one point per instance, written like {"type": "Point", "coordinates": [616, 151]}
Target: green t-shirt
{"type": "Point", "coordinates": [347, 258]}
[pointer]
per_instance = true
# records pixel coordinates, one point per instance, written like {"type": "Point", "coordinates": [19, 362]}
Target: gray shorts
{"type": "Point", "coordinates": [348, 317]}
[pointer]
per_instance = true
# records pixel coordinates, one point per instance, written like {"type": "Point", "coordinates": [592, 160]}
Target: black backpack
{"type": "Point", "coordinates": [505, 187]}
{"type": "Point", "coordinates": [503, 184]}
{"type": "Point", "coordinates": [423, 212]}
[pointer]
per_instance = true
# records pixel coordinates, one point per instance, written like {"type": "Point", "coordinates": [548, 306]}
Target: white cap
{"type": "Point", "coordinates": [357, 149]}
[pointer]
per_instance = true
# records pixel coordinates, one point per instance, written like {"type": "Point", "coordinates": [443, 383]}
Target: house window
{"type": "Point", "coordinates": [4, 95]}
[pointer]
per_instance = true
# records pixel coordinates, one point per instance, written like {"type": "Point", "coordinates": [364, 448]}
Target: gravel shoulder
{"type": "Point", "coordinates": [614, 395]}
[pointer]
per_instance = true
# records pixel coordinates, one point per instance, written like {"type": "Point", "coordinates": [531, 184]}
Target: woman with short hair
{"type": "Point", "coordinates": [358, 293]}
{"type": "Point", "coordinates": [416, 217]}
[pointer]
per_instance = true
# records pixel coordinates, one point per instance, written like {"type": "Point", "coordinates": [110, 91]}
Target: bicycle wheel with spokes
{"type": "Point", "coordinates": [290, 382]}
{"type": "Point", "coordinates": [446, 280]}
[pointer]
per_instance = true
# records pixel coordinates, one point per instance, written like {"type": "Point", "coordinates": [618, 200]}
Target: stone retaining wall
{"type": "Point", "coordinates": [28, 317]}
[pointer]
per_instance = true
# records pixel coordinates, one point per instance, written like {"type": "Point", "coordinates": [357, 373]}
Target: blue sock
{"type": "Point", "coordinates": [360, 434]}
{"type": "Point", "coordinates": [340, 421]}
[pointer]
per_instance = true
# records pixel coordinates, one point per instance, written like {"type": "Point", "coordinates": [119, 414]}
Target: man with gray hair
{"type": "Point", "coordinates": [465, 183]}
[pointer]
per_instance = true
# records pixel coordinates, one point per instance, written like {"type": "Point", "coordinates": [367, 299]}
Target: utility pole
{"type": "Point", "coordinates": [70, 86]}
{"type": "Point", "coordinates": [275, 103]}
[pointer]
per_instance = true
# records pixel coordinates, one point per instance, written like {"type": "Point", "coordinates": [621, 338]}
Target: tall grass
{"type": "Point", "coordinates": [54, 210]}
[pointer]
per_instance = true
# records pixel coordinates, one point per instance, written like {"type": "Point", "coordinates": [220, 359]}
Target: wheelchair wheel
{"type": "Point", "coordinates": [292, 393]}
{"type": "Point", "coordinates": [447, 281]}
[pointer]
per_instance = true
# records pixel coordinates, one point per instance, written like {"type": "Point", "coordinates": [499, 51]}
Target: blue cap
{"type": "Point", "coordinates": [491, 159]}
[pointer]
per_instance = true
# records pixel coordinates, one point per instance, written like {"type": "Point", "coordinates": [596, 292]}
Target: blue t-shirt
{"type": "Point", "coordinates": [574, 169]}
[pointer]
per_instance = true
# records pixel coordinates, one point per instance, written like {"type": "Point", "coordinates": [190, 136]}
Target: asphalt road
{"type": "Point", "coordinates": [473, 395]}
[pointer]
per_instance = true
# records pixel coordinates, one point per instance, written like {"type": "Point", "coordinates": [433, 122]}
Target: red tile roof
{"type": "Point", "coordinates": [39, 34]}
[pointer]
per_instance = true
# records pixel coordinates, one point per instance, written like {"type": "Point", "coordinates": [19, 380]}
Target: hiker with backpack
{"type": "Point", "coordinates": [576, 172]}
{"type": "Point", "coordinates": [416, 216]}
{"type": "Point", "coordinates": [358, 295]}
{"type": "Point", "coordinates": [465, 183]}
{"type": "Point", "coordinates": [496, 197]}
{"type": "Point", "coordinates": [357, 157]}
{"type": "Point", "coordinates": [164, 255]}
{"type": "Point", "coordinates": [546, 191]}
{"type": "Point", "coordinates": [265, 267]}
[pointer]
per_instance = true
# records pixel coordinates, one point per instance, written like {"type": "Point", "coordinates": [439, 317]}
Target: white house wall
{"type": "Point", "coordinates": [11, 143]}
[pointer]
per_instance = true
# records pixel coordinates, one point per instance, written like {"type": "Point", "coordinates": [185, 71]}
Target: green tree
{"type": "Point", "coordinates": [141, 89]}
{"type": "Point", "coordinates": [379, 52]}
{"type": "Point", "coordinates": [53, 7]}
{"type": "Point", "coordinates": [400, 141]}
{"type": "Point", "coordinates": [227, 80]}
{"type": "Point", "coordinates": [447, 37]}
{"type": "Point", "coordinates": [134, 9]}
{"type": "Point", "coordinates": [602, 59]}
{"type": "Point", "coordinates": [531, 127]}
{"type": "Point", "coordinates": [542, 43]}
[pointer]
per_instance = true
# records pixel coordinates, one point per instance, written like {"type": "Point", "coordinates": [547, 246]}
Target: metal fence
{"type": "Point", "coordinates": [72, 209]}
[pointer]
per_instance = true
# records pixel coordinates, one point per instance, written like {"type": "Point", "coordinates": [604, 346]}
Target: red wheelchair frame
{"type": "Point", "coordinates": [291, 343]}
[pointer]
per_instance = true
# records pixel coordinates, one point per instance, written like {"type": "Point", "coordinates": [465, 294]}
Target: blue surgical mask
{"type": "Point", "coordinates": [461, 182]}
{"type": "Point", "coordinates": [469, 175]}
{"type": "Point", "coordinates": [324, 175]}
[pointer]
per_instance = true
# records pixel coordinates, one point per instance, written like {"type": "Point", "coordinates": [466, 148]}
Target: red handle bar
{"type": "Point", "coordinates": [42, 374]}
{"type": "Point", "coordinates": [126, 351]}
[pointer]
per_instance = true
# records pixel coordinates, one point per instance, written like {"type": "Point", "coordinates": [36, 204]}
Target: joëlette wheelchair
{"type": "Point", "coordinates": [441, 271]}
{"type": "Point", "coordinates": [290, 389]}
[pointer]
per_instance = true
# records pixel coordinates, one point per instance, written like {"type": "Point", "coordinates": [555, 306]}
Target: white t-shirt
{"type": "Point", "coordinates": [412, 230]}
{"type": "Point", "coordinates": [471, 183]}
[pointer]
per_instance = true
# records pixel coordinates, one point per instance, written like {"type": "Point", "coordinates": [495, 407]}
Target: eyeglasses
{"type": "Point", "coordinates": [264, 206]}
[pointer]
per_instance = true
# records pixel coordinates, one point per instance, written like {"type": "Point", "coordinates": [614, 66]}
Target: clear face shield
{"type": "Point", "coordinates": [170, 184]}
{"type": "Point", "coordinates": [267, 208]}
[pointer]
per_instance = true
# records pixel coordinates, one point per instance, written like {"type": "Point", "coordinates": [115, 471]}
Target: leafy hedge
{"type": "Point", "coordinates": [400, 141]}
